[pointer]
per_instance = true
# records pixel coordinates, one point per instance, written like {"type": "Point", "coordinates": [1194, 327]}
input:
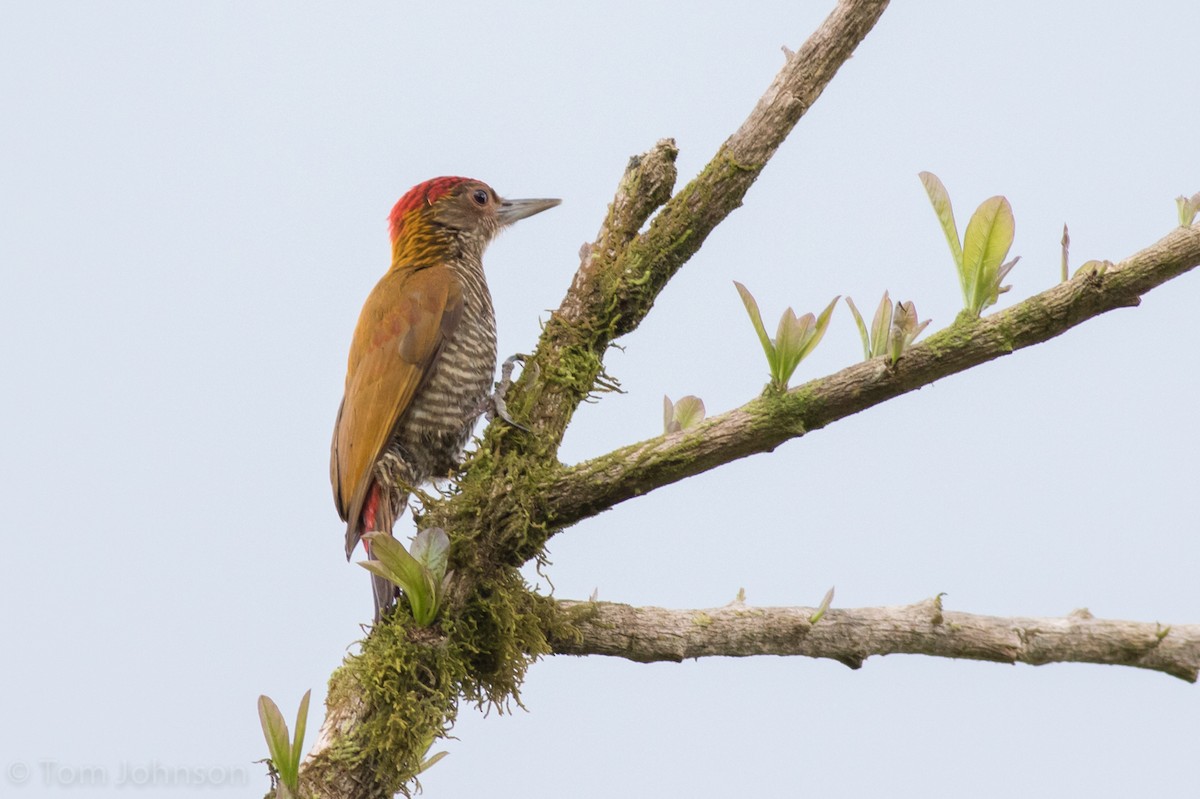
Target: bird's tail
{"type": "Point", "coordinates": [375, 517]}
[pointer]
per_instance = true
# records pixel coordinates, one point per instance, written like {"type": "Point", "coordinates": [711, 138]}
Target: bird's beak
{"type": "Point", "coordinates": [512, 210]}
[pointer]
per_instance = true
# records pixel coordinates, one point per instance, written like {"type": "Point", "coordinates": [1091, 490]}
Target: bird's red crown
{"type": "Point", "coordinates": [420, 196]}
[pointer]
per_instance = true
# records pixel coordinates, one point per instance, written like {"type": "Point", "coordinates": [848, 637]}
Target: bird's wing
{"type": "Point", "coordinates": [405, 322]}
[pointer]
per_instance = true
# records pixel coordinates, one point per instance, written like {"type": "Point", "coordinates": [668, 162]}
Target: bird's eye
{"type": "Point", "coordinates": [480, 197]}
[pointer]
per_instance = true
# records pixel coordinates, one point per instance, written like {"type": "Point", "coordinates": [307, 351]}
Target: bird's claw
{"type": "Point", "coordinates": [499, 408]}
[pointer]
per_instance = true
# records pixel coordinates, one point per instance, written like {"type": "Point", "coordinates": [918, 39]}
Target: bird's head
{"type": "Point", "coordinates": [453, 213]}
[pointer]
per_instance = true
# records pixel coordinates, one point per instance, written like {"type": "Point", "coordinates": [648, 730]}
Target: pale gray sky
{"type": "Point", "coordinates": [194, 199]}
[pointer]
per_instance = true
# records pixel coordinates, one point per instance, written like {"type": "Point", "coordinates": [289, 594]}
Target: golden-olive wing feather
{"type": "Point", "coordinates": [406, 321]}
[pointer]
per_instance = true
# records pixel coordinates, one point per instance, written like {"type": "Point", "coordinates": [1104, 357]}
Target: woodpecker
{"type": "Point", "coordinates": [423, 356]}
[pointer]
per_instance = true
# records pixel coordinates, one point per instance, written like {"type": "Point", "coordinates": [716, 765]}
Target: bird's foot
{"type": "Point", "coordinates": [497, 407]}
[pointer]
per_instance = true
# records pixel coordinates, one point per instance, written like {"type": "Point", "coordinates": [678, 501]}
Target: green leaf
{"type": "Point", "coordinates": [681, 415]}
{"type": "Point", "coordinates": [378, 569]}
{"type": "Point", "coordinates": [425, 610]}
{"type": "Point", "coordinates": [278, 744]}
{"type": "Point", "coordinates": [1188, 208]}
{"type": "Point", "coordinates": [862, 330]}
{"type": "Point", "coordinates": [756, 320]}
{"type": "Point", "coordinates": [987, 240]}
{"type": "Point", "coordinates": [395, 564]}
{"type": "Point", "coordinates": [301, 728]}
{"type": "Point", "coordinates": [940, 199]}
{"type": "Point", "coordinates": [431, 548]}
{"type": "Point", "coordinates": [392, 561]}
{"type": "Point", "coordinates": [818, 331]}
{"type": "Point", "coordinates": [415, 592]}
{"type": "Point", "coordinates": [274, 730]}
{"type": "Point", "coordinates": [789, 345]}
{"type": "Point", "coordinates": [420, 602]}
{"type": "Point", "coordinates": [826, 601]}
{"type": "Point", "coordinates": [689, 411]}
{"type": "Point", "coordinates": [881, 325]}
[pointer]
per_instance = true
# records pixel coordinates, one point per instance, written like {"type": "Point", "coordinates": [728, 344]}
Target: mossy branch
{"type": "Point", "coordinates": [766, 422]}
{"type": "Point", "coordinates": [402, 690]}
{"type": "Point", "coordinates": [619, 277]}
{"type": "Point", "coordinates": [850, 636]}
{"type": "Point", "coordinates": [388, 703]}
{"type": "Point", "coordinates": [622, 274]}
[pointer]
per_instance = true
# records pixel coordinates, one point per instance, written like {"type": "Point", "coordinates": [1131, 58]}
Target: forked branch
{"type": "Point", "coordinates": [623, 273]}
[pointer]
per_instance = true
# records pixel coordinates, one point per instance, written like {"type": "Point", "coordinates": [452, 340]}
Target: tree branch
{"type": "Point", "coordinates": [851, 636]}
{"type": "Point", "coordinates": [402, 688]}
{"type": "Point", "coordinates": [764, 423]}
{"type": "Point", "coordinates": [621, 275]}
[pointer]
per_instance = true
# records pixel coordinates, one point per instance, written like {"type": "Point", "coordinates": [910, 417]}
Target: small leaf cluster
{"type": "Point", "coordinates": [794, 339]}
{"type": "Point", "coordinates": [285, 751]}
{"type": "Point", "coordinates": [979, 257]}
{"type": "Point", "coordinates": [420, 573]}
{"type": "Point", "coordinates": [892, 331]}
